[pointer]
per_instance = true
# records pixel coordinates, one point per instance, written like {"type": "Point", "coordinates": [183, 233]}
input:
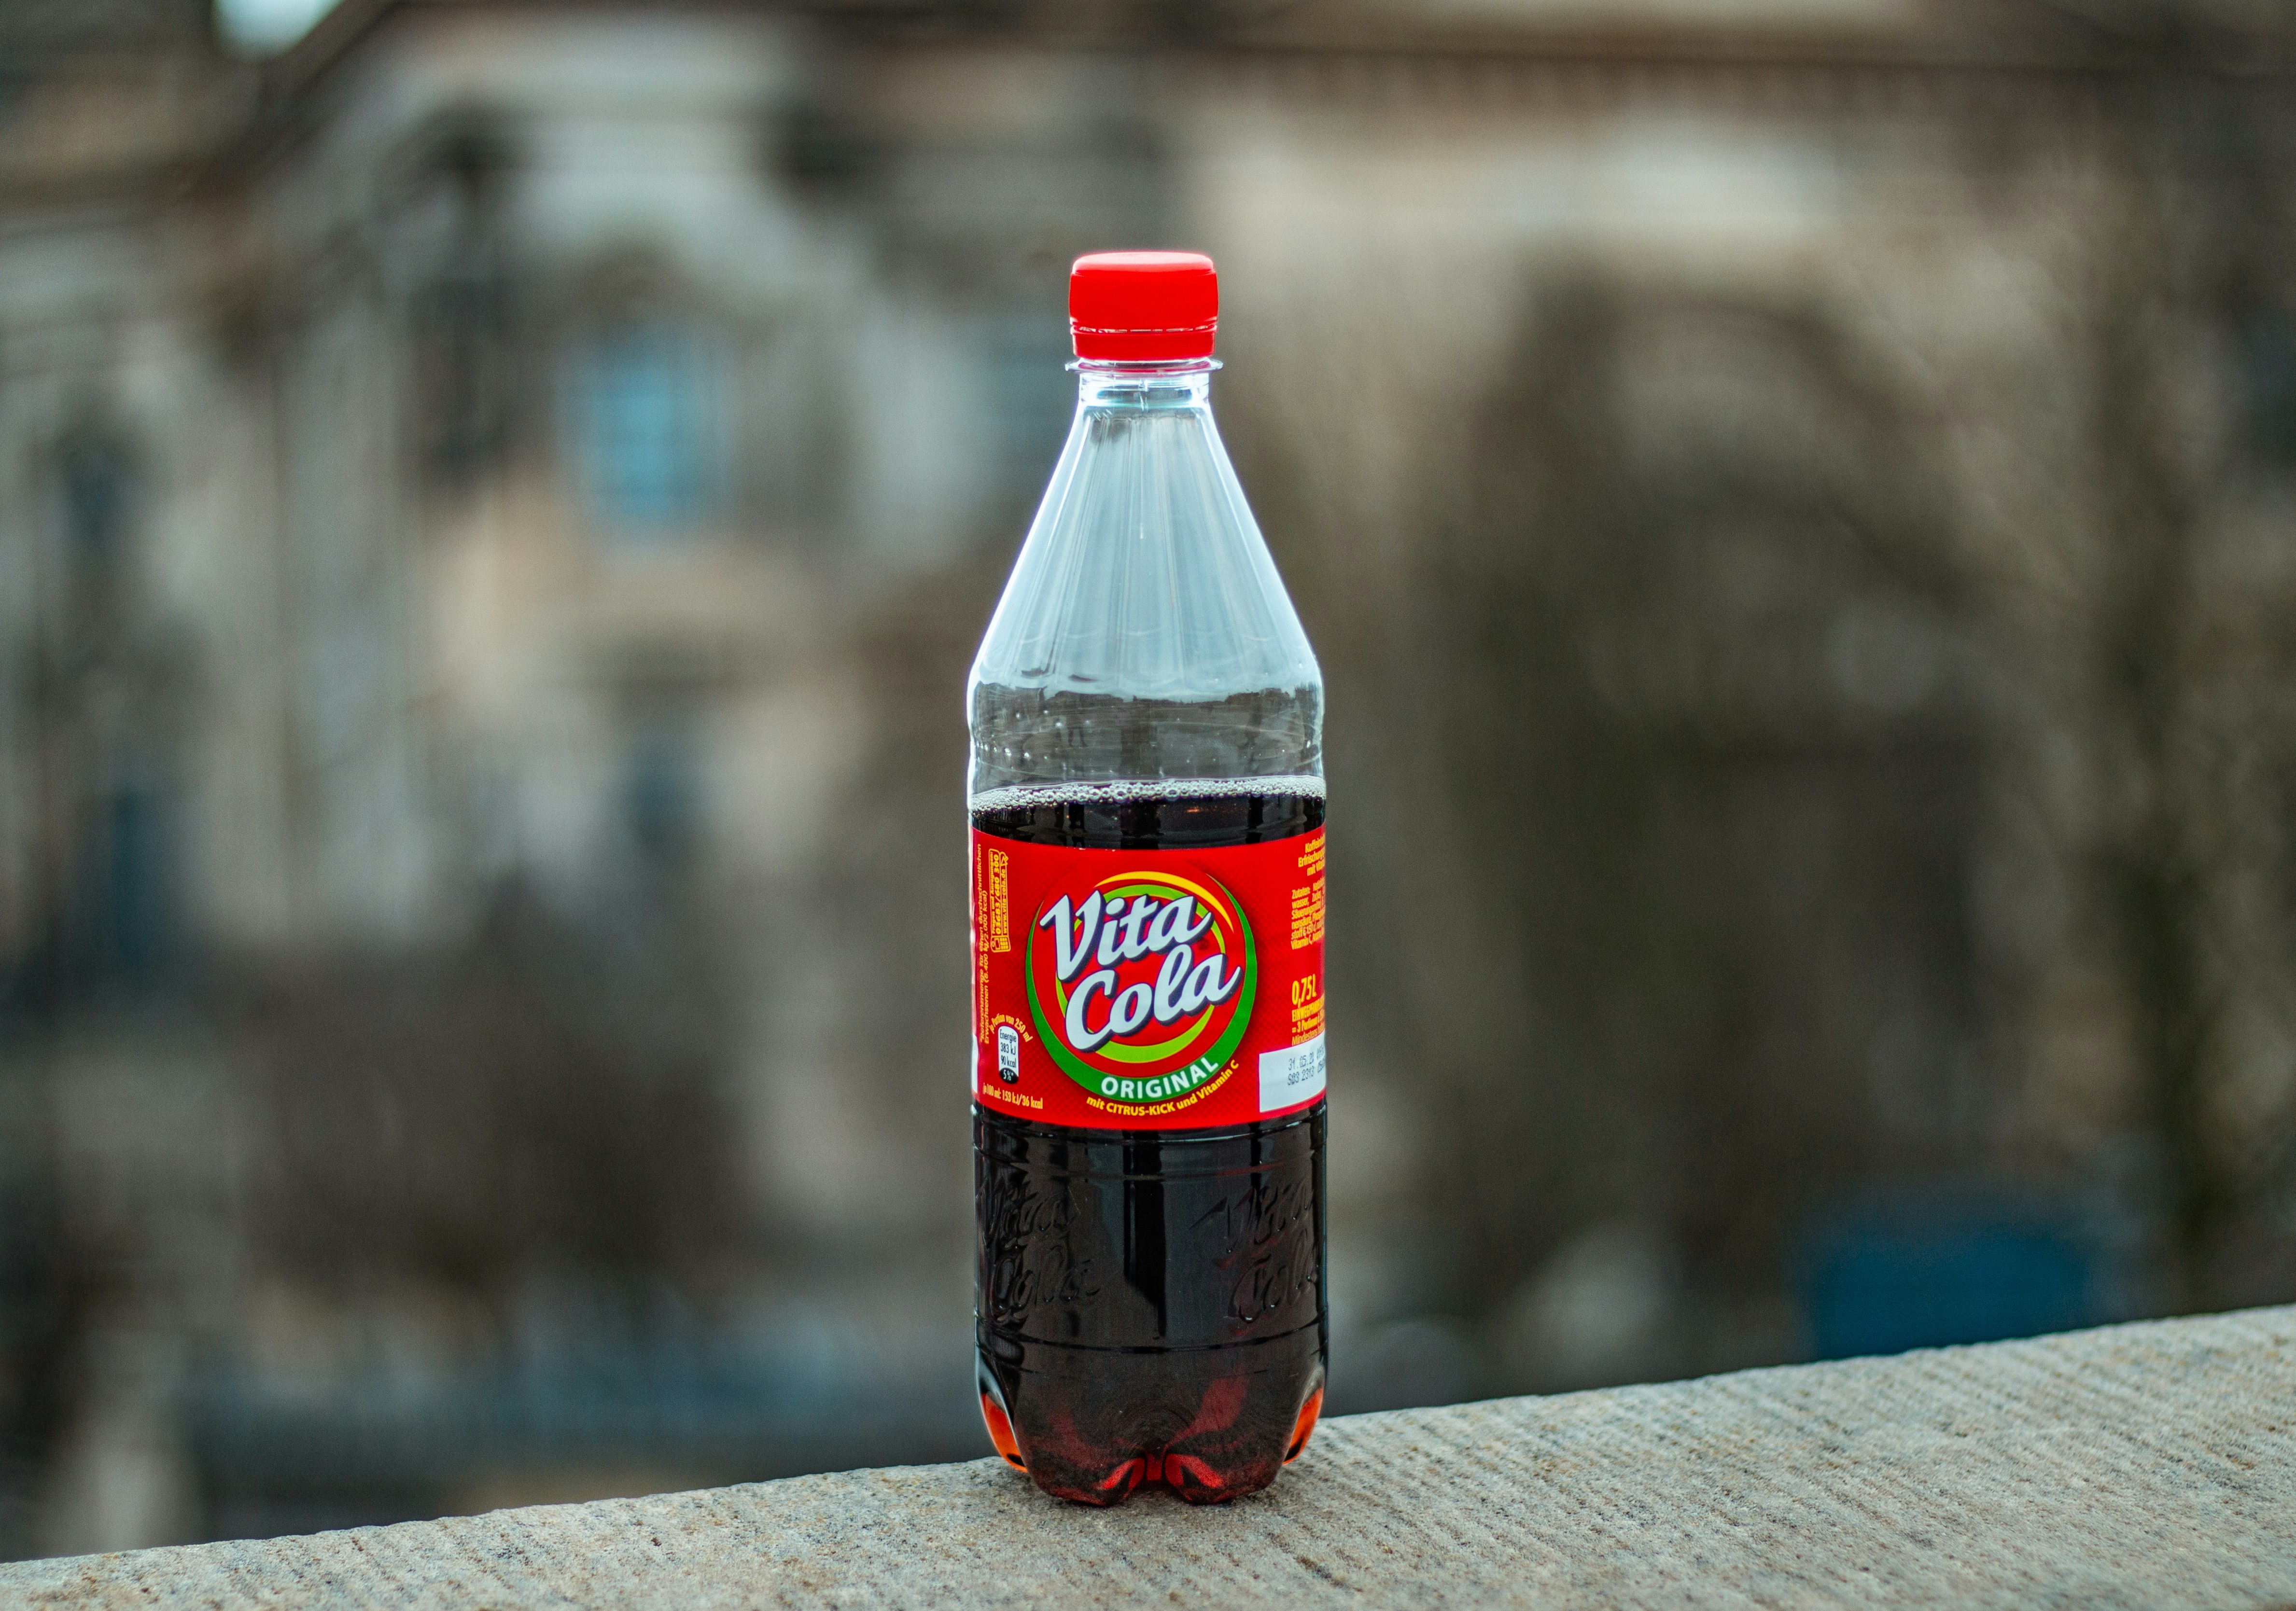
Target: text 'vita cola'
{"type": "Point", "coordinates": [1147, 806]}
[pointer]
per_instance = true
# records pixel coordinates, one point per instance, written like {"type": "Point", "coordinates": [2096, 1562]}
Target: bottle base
{"type": "Point", "coordinates": [1094, 1426]}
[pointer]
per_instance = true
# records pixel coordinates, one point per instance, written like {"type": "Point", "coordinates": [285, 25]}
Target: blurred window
{"type": "Point", "coordinates": [97, 485]}
{"type": "Point", "coordinates": [649, 427]}
{"type": "Point", "coordinates": [2267, 352]}
{"type": "Point", "coordinates": [136, 928]}
{"type": "Point", "coordinates": [122, 933]}
{"type": "Point", "coordinates": [661, 790]}
{"type": "Point", "coordinates": [1028, 392]}
{"type": "Point", "coordinates": [461, 375]}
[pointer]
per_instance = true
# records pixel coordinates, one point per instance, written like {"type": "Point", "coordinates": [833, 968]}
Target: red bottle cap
{"type": "Point", "coordinates": [1144, 307]}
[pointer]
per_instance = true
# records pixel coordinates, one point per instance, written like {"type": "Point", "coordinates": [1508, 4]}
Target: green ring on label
{"type": "Point", "coordinates": [1084, 1075]}
{"type": "Point", "coordinates": [1161, 1049]}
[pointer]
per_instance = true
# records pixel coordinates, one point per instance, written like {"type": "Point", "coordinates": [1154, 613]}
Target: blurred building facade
{"type": "Point", "coordinates": [1793, 497]}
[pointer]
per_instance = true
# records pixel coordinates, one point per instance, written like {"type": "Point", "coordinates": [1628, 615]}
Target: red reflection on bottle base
{"type": "Point", "coordinates": [1305, 1426]}
{"type": "Point", "coordinates": [1000, 1432]}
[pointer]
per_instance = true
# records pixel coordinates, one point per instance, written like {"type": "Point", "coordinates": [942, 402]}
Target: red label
{"type": "Point", "coordinates": [1148, 990]}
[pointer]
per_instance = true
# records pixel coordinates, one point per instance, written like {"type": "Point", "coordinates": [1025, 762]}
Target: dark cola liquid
{"type": "Point", "coordinates": [1151, 1303]}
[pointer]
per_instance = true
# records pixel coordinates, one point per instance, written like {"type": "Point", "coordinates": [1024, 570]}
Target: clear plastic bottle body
{"type": "Point", "coordinates": [1146, 685]}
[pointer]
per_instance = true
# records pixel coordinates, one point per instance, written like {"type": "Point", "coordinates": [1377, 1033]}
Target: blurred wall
{"type": "Point", "coordinates": [496, 504]}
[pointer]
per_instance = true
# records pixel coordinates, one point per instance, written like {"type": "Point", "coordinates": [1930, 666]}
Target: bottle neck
{"type": "Point", "coordinates": [1181, 384]}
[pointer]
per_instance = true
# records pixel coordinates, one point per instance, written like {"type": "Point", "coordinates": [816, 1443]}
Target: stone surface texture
{"type": "Point", "coordinates": [2145, 1464]}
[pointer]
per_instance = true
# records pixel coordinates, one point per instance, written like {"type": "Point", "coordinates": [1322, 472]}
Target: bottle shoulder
{"type": "Point", "coordinates": [1144, 574]}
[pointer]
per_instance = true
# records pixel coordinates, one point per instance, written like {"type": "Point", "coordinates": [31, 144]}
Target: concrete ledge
{"type": "Point", "coordinates": [2147, 1465]}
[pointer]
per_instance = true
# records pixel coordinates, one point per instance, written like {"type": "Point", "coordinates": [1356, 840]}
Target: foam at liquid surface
{"type": "Point", "coordinates": [1117, 791]}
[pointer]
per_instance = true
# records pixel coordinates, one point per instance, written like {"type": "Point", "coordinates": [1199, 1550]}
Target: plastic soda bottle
{"type": "Point", "coordinates": [1147, 864]}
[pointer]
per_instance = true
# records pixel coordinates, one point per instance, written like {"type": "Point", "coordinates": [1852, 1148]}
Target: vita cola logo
{"type": "Point", "coordinates": [1141, 984]}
